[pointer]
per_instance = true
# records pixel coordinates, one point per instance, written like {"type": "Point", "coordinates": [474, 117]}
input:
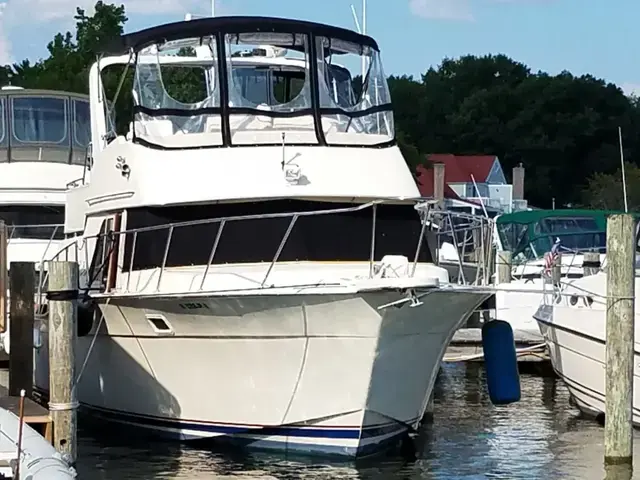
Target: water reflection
{"type": "Point", "coordinates": [541, 437]}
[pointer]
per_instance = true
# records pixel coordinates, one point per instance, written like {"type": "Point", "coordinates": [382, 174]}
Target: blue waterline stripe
{"type": "Point", "coordinates": [289, 431]}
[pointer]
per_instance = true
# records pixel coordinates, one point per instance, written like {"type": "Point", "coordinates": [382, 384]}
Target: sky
{"type": "Point", "coordinates": [582, 36]}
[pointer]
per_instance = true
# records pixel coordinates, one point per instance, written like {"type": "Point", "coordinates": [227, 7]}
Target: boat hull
{"type": "Point", "coordinates": [518, 307]}
{"type": "Point", "coordinates": [575, 334]}
{"type": "Point", "coordinates": [328, 374]}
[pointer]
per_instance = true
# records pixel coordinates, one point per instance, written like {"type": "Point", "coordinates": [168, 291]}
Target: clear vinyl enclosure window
{"type": "Point", "coordinates": [171, 82]}
{"type": "Point", "coordinates": [274, 90]}
{"type": "Point", "coordinates": [351, 79]}
{"type": "Point", "coordinates": [269, 72]}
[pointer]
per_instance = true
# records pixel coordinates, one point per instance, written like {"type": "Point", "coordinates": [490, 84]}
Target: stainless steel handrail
{"type": "Point", "coordinates": [223, 221]}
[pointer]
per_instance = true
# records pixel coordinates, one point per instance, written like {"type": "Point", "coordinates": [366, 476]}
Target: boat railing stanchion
{"type": "Point", "coordinates": [419, 247]}
{"type": "Point", "coordinates": [461, 274]}
{"type": "Point", "coordinates": [212, 253]}
{"type": "Point", "coordinates": [280, 247]}
{"type": "Point", "coordinates": [164, 257]}
{"type": "Point", "coordinates": [373, 240]}
{"type": "Point", "coordinates": [133, 254]}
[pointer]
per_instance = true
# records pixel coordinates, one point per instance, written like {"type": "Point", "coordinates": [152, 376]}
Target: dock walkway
{"type": "Point", "coordinates": [466, 346]}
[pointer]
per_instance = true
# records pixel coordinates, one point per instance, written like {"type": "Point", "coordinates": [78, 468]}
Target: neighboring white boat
{"type": "Point", "coordinates": [528, 235]}
{"type": "Point", "coordinates": [574, 328]}
{"type": "Point", "coordinates": [257, 255]}
{"type": "Point", "coordinates": [38, 459]}
{"type": "Point", "coordinates": [44, 135]}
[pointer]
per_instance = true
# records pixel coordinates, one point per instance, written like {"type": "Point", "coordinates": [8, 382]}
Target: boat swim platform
{"type": "Point", "coordinates": [466, 346]}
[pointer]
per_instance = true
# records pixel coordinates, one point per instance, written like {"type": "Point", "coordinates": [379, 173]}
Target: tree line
{"type": "Point", "coordinates": [563, 128]}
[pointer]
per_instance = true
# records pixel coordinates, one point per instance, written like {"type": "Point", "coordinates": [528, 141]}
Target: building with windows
{"type": "Point", "coordinates": [472, 182]}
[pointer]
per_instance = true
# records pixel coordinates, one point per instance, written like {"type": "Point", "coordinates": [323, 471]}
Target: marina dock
{"type": "Point", "coordinates": [35, 415]}
{"type": "Point", "coordinates": [466, 346]}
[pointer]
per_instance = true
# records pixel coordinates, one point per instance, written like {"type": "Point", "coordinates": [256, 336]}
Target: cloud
{"type": "Point", "coordinates": [455, 9]}
{"type": "Point", "coordinates": [58, 14]}
{"type": "Point", "coordinates": [41, 11]}
{"type": "Point", "coordinates": [442, 9]}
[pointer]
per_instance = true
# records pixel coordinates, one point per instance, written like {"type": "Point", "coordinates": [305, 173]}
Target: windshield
{"type": "Point", "coordinates": [533, 240]}
{"type": "Point", "coordinates": [266, 88]}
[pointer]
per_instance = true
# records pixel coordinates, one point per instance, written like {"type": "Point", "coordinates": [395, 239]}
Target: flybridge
{"type": "Point", "coordinates": [43, 126]}
{"type": "Point", "coordinates": [254, 79]}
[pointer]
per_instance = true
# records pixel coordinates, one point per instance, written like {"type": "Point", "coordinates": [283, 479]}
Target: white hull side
{"type": "Point", "coordinates": [518, 307]}
{"type": "Point", "coordinates": [315, 373]}
{"type": "Point", "coordinates": [576, 340]}
{"type": "Point", "coordinates": [32, 250]}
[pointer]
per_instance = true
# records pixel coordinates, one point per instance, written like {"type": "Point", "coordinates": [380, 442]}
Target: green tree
{"type": "Point", "coordinates": [605, 190]}
{"type": "Point", "coordinates": [562, 128]}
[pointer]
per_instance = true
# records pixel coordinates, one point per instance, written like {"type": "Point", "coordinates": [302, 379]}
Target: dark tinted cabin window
{"type": "Point", "coordinates": [333, 237]}
{"type": "Point", "coordinates": [98, 268]}
{"type": "Point", "coordinates": [3, 128]}
{"type": "Point", "coordinates": [34, 222]}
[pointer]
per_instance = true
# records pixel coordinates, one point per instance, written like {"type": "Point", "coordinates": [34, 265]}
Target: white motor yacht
{"type": "Point", "coordinates": [44, 136]}
{"type": "Point", "coordinates": [253, 245]}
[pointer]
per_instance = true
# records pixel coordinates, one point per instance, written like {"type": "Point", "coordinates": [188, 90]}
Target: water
{"type": "Point", "coordinates": [541, 437]}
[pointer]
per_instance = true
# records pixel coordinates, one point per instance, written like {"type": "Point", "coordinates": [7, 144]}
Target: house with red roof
{"type": "Point", "coordinates": [472, 180]}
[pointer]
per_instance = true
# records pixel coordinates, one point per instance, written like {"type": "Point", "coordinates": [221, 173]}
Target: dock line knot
{"type": "Point", "coordinates": [63, 407]}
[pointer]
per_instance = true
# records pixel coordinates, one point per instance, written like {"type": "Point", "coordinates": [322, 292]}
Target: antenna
{"type": "Point", "coordinates": [624, 179]}
{"type": "Point", "coordinates": [213, 8]}
{"type": "Point", "coordinates": [362, 31]}
{"type": "Point", "coordinates": [475, 185]}
{"type": "Point", "coordinates": [355, 18]}
{"type": "Point", "coordinates": [364, 17]}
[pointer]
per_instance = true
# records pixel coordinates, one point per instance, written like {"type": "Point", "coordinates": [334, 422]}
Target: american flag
{"type": "Point", "coordinates": [553, 254]}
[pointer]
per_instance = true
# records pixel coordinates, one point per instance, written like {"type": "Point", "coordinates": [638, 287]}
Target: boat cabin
{"type": "Point", "coordinates": [240, 81]}
{"type": "Point", "coordinates": [248, 119]}
{"type": "Point", "coordinates": [530, 234]}
{"type": "Point", "coordinates": [44, 137]}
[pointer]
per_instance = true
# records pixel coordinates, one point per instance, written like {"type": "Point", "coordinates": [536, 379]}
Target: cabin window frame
{"type": "Point", "coordinates": [4, 137]}
{"type": "Point", "coordinates": [225, 111]}
{"type": "Point", "coordinates": [75, 123]}
{"type": "Point", "coordinates": [65, 141]}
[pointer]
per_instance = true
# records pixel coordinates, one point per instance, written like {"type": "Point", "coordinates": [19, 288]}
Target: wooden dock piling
{"type": "Point", "coordinates": [22, 283]}
{"type": "Point", "coordinates": [63, 318]}
{"type": "Point", "coordinates": [618, 431]}
{"type": "Point", "coordinates": [556, 270]}
{"type": "Point", "coordinates": [503, 267]}
{"type": "Point", "coordinates": [590, 263]}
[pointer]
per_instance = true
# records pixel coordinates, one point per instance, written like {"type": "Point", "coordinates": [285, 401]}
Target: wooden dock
{"type": "Point", "coordinates": [35, 415]}
{"type": "Point", "coordinates": [466, 346]}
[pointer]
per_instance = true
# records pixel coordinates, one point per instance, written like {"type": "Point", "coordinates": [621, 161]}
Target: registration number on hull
{"type": "Point", "coordinates": [193, 306]}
